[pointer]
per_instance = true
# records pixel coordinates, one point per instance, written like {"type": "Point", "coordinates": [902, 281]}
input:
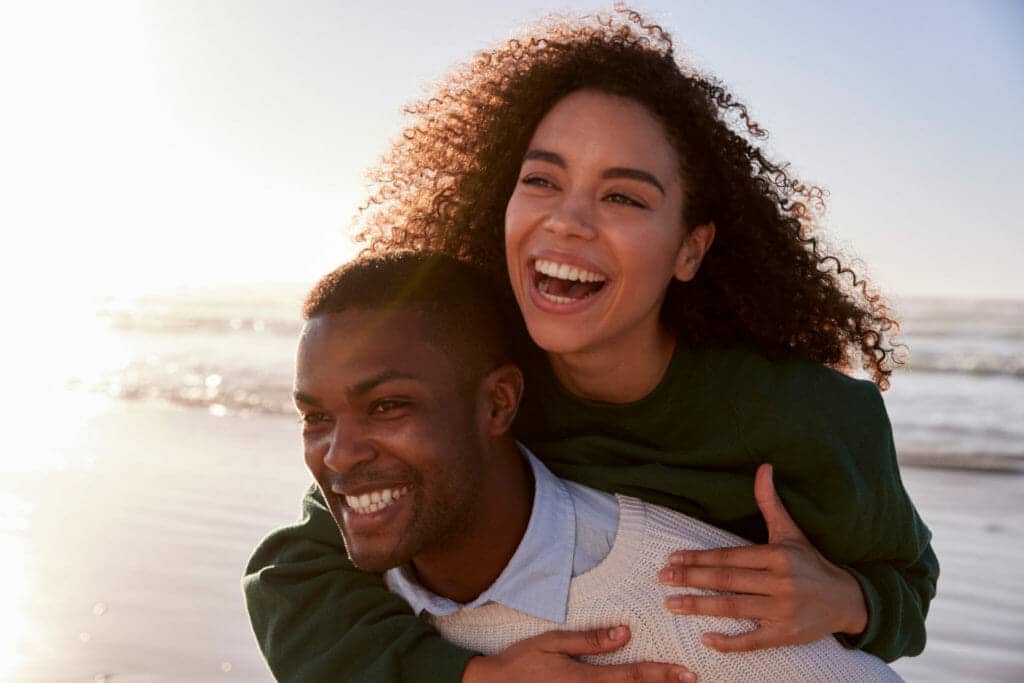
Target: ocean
{"type": "Point", "coordinates": [959, 401]}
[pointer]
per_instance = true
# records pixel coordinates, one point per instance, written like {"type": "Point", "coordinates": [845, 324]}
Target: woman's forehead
{"type": "Point", "coordinates": [607, 127]}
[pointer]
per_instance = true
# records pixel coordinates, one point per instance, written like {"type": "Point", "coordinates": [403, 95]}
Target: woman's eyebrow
{"type": "Point", "coordinates": [544, 155]}
{"type": "Point", "coordinates": [615, 172]}
{"type": "Point", "coordinates": [634, 174]}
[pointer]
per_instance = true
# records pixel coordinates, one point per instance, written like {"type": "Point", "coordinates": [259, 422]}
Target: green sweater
{"type": "Point", "coordinates": [693, 444]}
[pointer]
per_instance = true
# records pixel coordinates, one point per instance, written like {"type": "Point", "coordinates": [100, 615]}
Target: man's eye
{"type": "Point", "coordinates": [311, 419]}
{"type": "Point", "coordinates": [387, 406]}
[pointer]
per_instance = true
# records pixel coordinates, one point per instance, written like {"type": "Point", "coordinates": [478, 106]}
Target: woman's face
{"type": "Point", "coordinates": [593, 230]}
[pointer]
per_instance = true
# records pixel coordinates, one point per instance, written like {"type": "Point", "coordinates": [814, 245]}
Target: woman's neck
{"type": "Point", "coordinates": [622, 374]}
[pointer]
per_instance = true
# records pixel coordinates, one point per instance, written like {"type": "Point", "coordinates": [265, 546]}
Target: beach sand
{"type": "Point", "coordinates": [122, 550]}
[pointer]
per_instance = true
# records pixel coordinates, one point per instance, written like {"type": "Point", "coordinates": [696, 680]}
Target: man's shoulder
{"type": "Point", "coordinates": [658, 527]}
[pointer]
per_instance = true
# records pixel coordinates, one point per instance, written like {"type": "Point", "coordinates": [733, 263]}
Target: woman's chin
{"type": "Point", "coordinates": [557, 340]}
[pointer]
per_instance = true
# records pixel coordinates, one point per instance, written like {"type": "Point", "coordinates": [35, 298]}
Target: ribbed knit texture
{"type": "Point", "coordinates": [624, 589]}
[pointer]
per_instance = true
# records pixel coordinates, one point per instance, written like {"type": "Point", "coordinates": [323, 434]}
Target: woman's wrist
{"type": "Point", "coordinates": [855, 616]}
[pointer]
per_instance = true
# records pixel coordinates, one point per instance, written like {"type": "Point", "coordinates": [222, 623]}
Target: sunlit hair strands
{"type": "Point", "coordinates": [768, 283]}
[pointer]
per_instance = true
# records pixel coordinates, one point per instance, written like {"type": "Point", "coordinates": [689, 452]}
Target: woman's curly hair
{"type": "Point", "coordinates": [767, 284]}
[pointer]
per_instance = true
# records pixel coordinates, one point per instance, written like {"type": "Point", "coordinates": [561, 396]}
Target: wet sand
{"type": "Point", "coordinates": [122, 550]}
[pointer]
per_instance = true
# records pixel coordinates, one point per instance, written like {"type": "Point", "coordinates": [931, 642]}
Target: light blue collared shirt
{"type": "Point", "coordinates": [571, 529]}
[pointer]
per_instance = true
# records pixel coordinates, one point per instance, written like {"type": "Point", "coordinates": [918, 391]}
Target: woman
{"type": "Point", "coordinates": [669, 271]}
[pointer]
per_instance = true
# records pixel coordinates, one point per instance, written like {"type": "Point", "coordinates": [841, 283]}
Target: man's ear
{"type": "Point", "coordinates": [502, 391]}
{"type": "Point", "coordinates": [691, 253]}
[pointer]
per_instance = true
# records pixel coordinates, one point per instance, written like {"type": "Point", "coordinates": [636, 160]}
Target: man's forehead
{"type": "Point", "coordinates": [355, 325]}
{"type": "Point", "coordinates": [388, 340]}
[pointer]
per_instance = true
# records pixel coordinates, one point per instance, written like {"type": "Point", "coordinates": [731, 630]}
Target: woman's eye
{"type": "Point", "coordinates": [538, 181]}
{"type": "Point", "coordinates": [619, 198]}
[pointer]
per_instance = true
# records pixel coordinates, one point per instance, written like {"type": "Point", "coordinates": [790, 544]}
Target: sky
{"type": "Point", "coordinates": [159, 145]}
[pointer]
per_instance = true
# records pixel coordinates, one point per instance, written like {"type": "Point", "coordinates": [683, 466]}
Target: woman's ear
{"type": "Point", "coordinates": [691, 253]}
{"type": "Point", "coordinates": [502, 391]}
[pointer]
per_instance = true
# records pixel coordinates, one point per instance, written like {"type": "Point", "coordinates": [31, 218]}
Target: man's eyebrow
{"type": "Point", "coordinates": [359, 388]}
{"type": "Point", "coordinates": [615, 172]}
{"type": "Point", "coordinates": [385, 376]}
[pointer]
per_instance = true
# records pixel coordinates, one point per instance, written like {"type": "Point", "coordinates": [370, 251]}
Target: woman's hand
{"type": "Point", "coordinates": [787, 586]}
{"type": "Point", "coordinates": [549, 657]}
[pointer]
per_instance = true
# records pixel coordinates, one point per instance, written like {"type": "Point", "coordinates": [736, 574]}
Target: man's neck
{"type": "Point", "coordinates": [468, 565]}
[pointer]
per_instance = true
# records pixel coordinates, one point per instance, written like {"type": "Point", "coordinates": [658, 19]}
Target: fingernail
{"type": "Point", "coordinates": [617, 633]}
{"type": "Point", "coordinates": [675, 602]}
{"type": "Point", "coordinates": [666, 574]}
{"type": "Point", "coordinates": [688, 677]}
{"type": "Point", "coordinates": [677, 558]}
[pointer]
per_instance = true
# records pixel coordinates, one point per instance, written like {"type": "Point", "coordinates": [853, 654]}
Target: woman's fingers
{"type": "Point", "coordinates": [727, 579]}
{"type": "Point", "coordinates": [758, 639]}
{"type": "Point", "coordinates": [755, 607]}
{"type": "Point", "coordinates": [551, 657]}
{"type": "Point", "coordinates": [781, 526]}
{"type": "Point", "coordinates": [576, 643]}
{"type": "Point", "coordinates": [747, 556]}
{"type": "Point", "coordinates": [641, 672]}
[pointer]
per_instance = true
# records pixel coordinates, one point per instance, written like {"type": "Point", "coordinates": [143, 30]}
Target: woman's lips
{"type": "Point", "coordinates": [561, 283]}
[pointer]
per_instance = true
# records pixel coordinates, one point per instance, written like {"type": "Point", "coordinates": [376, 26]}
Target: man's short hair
{"type": "Point", "coordinates": [459, 300]}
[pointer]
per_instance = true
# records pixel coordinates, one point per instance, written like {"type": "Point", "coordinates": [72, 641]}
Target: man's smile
{"type": "Point", "coordinates": [373, 501]}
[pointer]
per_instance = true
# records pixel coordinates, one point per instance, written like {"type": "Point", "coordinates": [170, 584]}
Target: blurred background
{"type": "Point", "coordinates": [175, 175]}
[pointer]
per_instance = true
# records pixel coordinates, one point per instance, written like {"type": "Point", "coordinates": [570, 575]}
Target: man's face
{"type": "Point", "coordinates": [391, 432]}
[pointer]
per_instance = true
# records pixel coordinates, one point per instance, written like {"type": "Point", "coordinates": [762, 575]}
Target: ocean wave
{"type": "Point", "coordinates": [273, 399]}
{"type": "Point", "coordinates": [134, 321]}
{"type": "Point", "coordinates": [968, 363]}
{"type": "Point", "coordinates": [977, 461]}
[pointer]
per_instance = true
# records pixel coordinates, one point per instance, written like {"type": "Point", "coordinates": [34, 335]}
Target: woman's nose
{"type": "Point", "coordinates": [573, 217]}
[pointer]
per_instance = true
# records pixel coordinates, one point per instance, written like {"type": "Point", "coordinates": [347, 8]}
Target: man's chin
{"type": "Point", "coordinates": [375, 564]}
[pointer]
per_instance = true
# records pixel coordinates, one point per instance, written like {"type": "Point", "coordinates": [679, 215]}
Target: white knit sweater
{"type": "Point", "coordinates": [624, 589]}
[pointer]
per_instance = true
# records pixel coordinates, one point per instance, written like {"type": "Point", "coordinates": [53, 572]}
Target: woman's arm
{"type": "Point", "coordinates": [318, 618]}
{"type": "Point", "coordinates": [845, 493]}
{"type": "Point", "coordinates": [897, 599]}
{"type": "Point", "coordinates": [790, 589]}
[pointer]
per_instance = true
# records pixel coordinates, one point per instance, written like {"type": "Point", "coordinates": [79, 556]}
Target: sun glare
{"type": "Point", "coordinates": [15, 624]}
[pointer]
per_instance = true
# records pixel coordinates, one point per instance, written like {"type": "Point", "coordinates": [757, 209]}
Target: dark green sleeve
{"type": "Point", "coordinates": [897, 601]}
{"type": "Point", "coordinates": [318, 618]}
{"type": "Point", "coordinates": [864, 520]}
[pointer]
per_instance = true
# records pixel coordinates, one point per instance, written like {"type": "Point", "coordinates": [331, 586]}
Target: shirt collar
{"type": "Point", "coordinates": [536, 580]}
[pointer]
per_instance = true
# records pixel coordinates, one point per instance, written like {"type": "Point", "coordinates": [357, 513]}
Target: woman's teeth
{"type": "Point", "coordinates": [542, 287]}
{"type": "Point", "coordinates": [564, 271]}
{"type": "Point", "coordinates": [375, 501]}
{"type": "Point", "coordinates": [563, 284]}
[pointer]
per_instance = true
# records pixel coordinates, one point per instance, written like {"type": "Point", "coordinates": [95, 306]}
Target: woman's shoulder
{"type": "Point", "coordinates": [787, 382]}
{"type": "Point", "coordinates": [798, 410]}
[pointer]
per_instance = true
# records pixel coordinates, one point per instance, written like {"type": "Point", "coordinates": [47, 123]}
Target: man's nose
{"type": "Point", "coordinates": [348, 446]}
{"type": "Point", "coordinates": [573, 217]}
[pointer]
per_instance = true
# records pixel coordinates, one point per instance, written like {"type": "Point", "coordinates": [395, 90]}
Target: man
{"type": "Point", "coordinates": [407, 393]}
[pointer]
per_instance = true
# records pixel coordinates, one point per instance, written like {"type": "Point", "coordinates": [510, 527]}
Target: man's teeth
{"type": "Point", "coordinates": [374, 501]}
{"type": "Point", "coordinates": [564, 271]}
